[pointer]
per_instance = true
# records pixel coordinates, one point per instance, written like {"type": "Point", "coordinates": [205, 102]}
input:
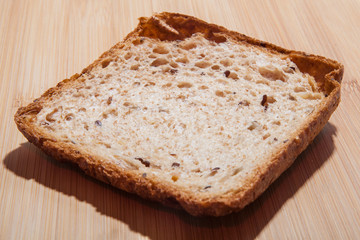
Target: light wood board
{"type": "Point", "coordinates": [43, 42]}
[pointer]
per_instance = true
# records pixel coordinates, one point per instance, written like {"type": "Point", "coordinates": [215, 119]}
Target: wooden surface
{"type": "Point", "coordinates": [43, 42]}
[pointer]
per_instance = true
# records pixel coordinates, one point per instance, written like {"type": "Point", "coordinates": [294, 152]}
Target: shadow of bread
{"type": "Point", "coordinates": [30, 163]}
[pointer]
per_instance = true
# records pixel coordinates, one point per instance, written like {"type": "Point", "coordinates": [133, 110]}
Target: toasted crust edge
{"type": "Point", "coordinates": [326, 72]}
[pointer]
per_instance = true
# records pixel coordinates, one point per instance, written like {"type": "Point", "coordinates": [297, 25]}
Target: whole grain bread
{"type": "Point", "coordinates": [187, 113]}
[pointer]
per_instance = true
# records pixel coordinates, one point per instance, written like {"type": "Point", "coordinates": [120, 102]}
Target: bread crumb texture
{"type": "Point", "coordinates": [168, 109]}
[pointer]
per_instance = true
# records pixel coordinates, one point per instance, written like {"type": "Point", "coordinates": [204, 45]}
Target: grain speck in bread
{"type": "Point", "coordinates": [187, 113]}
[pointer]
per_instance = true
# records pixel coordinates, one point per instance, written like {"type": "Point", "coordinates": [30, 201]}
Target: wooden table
{"type": "Point", "coordinates": [43, 42]}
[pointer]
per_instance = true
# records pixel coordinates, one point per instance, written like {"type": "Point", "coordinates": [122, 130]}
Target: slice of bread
{"type": "Point", "coordinates": [187, 113]}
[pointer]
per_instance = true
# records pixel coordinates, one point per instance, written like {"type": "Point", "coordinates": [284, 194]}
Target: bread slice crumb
{"type": "Point", "coordinates": [198, 117]}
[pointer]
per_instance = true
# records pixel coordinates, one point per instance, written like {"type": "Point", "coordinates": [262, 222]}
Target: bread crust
{"type": "Point", "coordinates": [173, 26]}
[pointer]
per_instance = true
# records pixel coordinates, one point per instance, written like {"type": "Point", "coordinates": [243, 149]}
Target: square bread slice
{"type": "Point", "coordinates": [187, 113]}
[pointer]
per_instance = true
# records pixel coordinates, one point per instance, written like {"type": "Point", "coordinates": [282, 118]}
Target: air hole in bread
{"type": "Point", "coordinates": [138, 41]}
{"type": "Point", "coordinates": [188, 45]}
{"type": "Point", "coordinates": [236, 171]}
{"type": "Point", "coordinates": [272, 73]}
{"type": "Point", "coordinates": [128, 55]}
{"type": "Point", "coordinates": [183, 59]}
{"type": "Point", "coordinates": [105, 115]}
{"type": "Point", "coordinates": [203, 87]}
{"type": "Point", "coordinates": [292, 98]}
{"type": "Point", "coordinates": [161, 49]}
{"type": "Point", "coordinates": [299, 89]}
{"type": "Point", "coordinates": [310, 96]}
{"type": "Point", "coordinates": [277, 123]}
{"type": "Point", "coordinates": [166, 69]}
{"type": "Point", "coordinates": [233, 75]}
{"type": "Point", "coordinates": [50, 117]}
{"type": "Point", "coordinates": [175, 164]}
{"type": "Point", "coordinates": [215, 67]}
{"type": "Point", "coordinates": [226, 62]}
{"type": "Point", "coordinates": [69, 117]}
{"type": "Point", "coordinates": [105, 62]}
{"type": "Point", "coordinates": [202, 64]}
{"type": "Point", "coordinates": [134, 67]}
{"type": "Point", "coordinates": [149, 84]}
{"type": "Point", "coordinates": [219, 93]}
{"type": "Point", "coordinates": [159, 61]}
{"type": "Point", "coordinates": [253, 125]}
{"type": "Point", "coordinates": [184, 85]}
{"type": "Point", "coordinates": [166, 85]}
{"type": "Point", "coordinates": [214, 171]}
{"type": "Point", "coordinates": [271, 99]}
{"type": "Point", "coordinates": [173, 64]}
{"type": "Point", "coordinates": [222, 81]}
{"type": "Point", "coordinates": [266, 136]}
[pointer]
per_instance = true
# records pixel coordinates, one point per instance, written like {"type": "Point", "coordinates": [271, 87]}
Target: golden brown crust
{"type": "Point", "coordinates": [174, 26]}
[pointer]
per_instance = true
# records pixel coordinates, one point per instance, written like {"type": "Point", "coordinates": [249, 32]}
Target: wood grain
{"type": "Point", "coordinates": [43, 42]}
